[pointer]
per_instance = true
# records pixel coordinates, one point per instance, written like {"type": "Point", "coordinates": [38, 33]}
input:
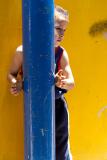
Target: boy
{"type": "Point", "coordinates": [63, 82]}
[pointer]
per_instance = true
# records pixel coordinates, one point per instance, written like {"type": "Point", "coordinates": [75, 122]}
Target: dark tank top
{"type": "Point", "coordinates": [58, 54]}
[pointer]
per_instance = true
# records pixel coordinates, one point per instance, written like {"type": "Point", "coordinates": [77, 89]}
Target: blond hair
{"type": "Point", "coordinates": [61, 14]}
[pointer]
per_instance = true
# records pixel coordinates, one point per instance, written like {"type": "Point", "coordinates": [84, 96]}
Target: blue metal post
{"type": "Point", "coordinates": [39, 99]}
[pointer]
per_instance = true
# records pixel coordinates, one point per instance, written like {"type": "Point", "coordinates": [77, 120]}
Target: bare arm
{"type": "Point", "coordinates": [16, 85]}
{"type": "Point", "coordinates": [66, 77]}
{"type": "Point", "coordinates": [15, 66]}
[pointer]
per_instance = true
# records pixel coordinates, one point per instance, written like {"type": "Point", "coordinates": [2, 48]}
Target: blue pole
{"type": "Point", "coordinates": [39, 99]}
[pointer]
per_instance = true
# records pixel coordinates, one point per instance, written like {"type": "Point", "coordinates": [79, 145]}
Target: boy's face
{"type": "Point", "coordinates": [60, 28]}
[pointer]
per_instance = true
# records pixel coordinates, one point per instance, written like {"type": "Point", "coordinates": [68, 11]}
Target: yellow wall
{"type": "Point", "coordinates": [11, 108]}
{"type": "Point", "coordinates": [87, 102]}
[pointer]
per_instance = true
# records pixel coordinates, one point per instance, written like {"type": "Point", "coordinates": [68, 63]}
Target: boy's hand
{"type": "Point", "coordinates": [58, 78]}
{"type": "Point", "coordinates": [16, 87]}
{"type": "Point", "coordinates": [66, 84]}
{"type": "Point", "coordinates": [62, 81]}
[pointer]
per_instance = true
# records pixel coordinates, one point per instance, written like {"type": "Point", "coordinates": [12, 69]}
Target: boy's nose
{"type": "Point", "coordinates": [61, 33]}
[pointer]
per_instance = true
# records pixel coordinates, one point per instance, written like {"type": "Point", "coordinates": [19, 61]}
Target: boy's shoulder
{"type": "Point", "coordinates": [63, 49]}
{"type": "Point", "coordinates": [19, 49]}
{"type": "Point", "coordinates": [64, 57]}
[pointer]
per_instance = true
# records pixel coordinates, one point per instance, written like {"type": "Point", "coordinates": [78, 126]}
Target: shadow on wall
{"type": "Point", "coordinates": [99, 28]}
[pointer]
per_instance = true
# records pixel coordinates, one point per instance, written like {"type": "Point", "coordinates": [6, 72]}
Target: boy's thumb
{"type": "Point", "coordinates": [60, 72]}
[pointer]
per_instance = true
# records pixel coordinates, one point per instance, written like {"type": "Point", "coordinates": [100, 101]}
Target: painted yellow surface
{"type": "Point", "coordinates": [11, 108]}
{"type": "Point", "coordinates": [87, 102]}
{"type": "Point", "coordinates": [88, 58]}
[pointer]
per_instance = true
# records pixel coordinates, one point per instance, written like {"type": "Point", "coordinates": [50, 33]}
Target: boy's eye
{"type": "Point", "coordinates": [59, 29]}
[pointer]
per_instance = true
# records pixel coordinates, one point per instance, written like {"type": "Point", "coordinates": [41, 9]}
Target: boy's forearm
{"type": "Point", "coordinates": [68, 84]}
{"type": "Point", "coordinates": [16, 84]}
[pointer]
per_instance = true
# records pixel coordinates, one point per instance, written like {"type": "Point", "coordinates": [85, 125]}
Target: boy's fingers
{"type": "Point", "coordinates": [60, 72]}
{"type": "Point", "coordinates": [63, 77]}
{"type": "Point", "coordinates": [64, 80]}
{"type": "Point", "coordinates": [14, 93]}
{"type": "Point", "coordinates": [13, 85]}
{"type": "Point", "coordinates": [60, 83]}
{"type": "Point", "coordinates": [13, 90]}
